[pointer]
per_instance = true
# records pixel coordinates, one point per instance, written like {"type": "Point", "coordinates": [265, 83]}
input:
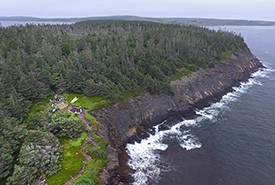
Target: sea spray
{"type": "Point", "coordinates": [145, 156]}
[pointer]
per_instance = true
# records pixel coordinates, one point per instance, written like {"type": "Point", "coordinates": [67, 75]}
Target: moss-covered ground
{"type": "Point", "coordinates": [86, 102]}
{"type": "Point", "coordinates": [95, 165]}
{"type": "Point", "coordinates": [72, 158]}
{"type": "Point", "coordinates": [37, 108]}
{"type": "Point", "coordinates": [92, 120]}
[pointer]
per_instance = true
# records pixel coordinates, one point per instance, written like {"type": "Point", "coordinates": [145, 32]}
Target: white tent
{"type": "Point", "coordinates": [74, 100]}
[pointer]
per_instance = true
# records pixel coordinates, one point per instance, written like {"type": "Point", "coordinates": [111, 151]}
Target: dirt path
{"type": "Point", "coordinates": [78, 174]}
{"type": "Point", "coordinates": [83, 118]}
{"type": "Point", "coordinates": [88, 129]}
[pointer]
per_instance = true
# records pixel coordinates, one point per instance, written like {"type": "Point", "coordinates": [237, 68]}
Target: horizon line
{"type": "Point", "coordinates": [172, 17]}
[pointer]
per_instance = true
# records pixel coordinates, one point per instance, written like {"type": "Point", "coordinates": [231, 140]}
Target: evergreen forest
{"type": "Point", "coordinates": [108, 59]}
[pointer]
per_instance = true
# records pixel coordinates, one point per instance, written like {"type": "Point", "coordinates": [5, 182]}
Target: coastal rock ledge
{"type": "Point", "coordinates": [124, 121]}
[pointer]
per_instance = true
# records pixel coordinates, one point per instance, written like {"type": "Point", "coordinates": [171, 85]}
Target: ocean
{"type": "Point", "coordinates": [230, 142]}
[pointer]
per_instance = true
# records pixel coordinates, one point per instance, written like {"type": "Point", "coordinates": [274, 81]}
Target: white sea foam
{"type": "Point", "coordinates": [217, 108]}
{"type": "Point", "coordinates": [145, 156]}
{"type": "Point", "coordinates": [263, 73]}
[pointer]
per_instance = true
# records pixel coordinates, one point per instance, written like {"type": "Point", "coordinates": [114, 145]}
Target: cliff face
{"type": "Point", "coordinates": [123, 121]}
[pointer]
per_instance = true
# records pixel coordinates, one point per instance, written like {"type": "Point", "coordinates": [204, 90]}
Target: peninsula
{"type": "Point", "coordinates": [124, 77]}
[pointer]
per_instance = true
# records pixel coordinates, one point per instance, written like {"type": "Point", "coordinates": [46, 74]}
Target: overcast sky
{"type": "Point", "coordinates": [229, 9]}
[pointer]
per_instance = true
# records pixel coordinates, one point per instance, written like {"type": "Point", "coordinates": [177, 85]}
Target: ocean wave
{"type": "Point", "coordinates": [145, 156]}
{"type": "Point", "coordinates": [263, 73]}
{"type": "Point", "coordinates": [217, 108]}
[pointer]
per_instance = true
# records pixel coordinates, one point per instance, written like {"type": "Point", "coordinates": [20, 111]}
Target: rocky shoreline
{"type": "Point", "coordinates": [124, 122]}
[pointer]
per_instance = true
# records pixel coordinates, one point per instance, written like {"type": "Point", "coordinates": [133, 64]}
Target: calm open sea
{"type": "Point", "coordinates": [231, 142]}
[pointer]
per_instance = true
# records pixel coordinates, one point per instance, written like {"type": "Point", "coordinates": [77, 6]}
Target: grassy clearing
{"type": "Point", "coordinates": [39, 107]}
{"type": "Point", "coordinates": [92, 121]}
{"type": "Point", "coordinates": [83, 180]}
{"type": "Point", "coordinates": [99, 158]}
{"type": "Point", "coordinates": [86, 102]}
{"type": "Point", "coordinates": [78, 142]}
{"type": "Point", "coordinates": [94, 166]}
{"type": "Point", "coordinates": [71, 163]}
{"type": "Point", "coordinates": [90, 118]}
{"type": "Point", "coordinates": [36, 108]}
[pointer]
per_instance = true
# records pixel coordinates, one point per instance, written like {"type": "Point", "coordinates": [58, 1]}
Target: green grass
{"type": "Point", "coordinates": [96, 138]}
{"type": "Point", "coordinates": [98, 152]}
{"type": "Point", "coordinates": [36, 108]}
{"type": "Point", "coordinates": [91, 119]}
{"type": "Point", "coordinates": [86, 102]}
{"type": "Point", "coordinates": [99, 159]}
{"type": "Point", "coordinates": [78, 141]}
{"type": "Point", "coordinates": [178, 76]}
{"type": "Point", "coordinates": [95, 165]}
{"type": "Point", "coordinates": [182, 72]}
{"type": "Point", "coordinates": [92, 169]}
{"type": "Point", "coordinates": [185, 71]}
{"type": "Point", "coordinates": [227, 54]}
{"type": "Point", "coordinates": [59, 178]}
{"type": "Point", "coordinates": [74, 117]}
{"type": "Point", "coordinates": [71, 163]}
{"type": "Point", "coordinates": [129, 94]}
{"type": "Point", "coordinates": [83, 180]}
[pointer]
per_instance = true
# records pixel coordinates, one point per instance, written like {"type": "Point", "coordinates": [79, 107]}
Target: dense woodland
{"type": "Point", "coordinates": [99, 58]}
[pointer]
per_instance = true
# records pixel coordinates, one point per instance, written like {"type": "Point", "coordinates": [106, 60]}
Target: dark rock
{"type": "Point", "coordinates": [127, 121]}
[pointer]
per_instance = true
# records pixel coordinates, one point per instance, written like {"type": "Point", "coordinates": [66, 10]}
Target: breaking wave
{"type": "Point", "coordinates": [145, 156]}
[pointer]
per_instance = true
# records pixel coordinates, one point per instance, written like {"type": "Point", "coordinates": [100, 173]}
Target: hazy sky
{"type": "Point", "coordinates": [230, 9]}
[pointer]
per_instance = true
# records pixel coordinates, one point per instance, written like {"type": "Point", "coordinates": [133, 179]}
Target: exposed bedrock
{"type": "Point", "coordinates": [123, 121]}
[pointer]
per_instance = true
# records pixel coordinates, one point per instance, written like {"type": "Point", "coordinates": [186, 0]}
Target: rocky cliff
{"type": "Point", "coordinates": [125, 120]}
